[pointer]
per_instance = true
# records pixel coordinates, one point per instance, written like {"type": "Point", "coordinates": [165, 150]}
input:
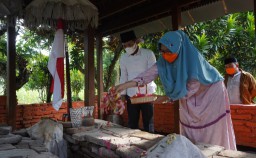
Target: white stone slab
{"type": "Point", "coordinates": [103, 139]}
{"type": "Point", "coordinates": [130, 151]}
{"type": "Point", "coordinates": [4, 130]}
{"type": "Point", "coordinates": [236, 154]}
{"type": "Point", "coordinates": [78, 130]}
{"type": "Point", "coordinates": [10, 139]}
{"type": "Point", "coordinates": [146, 135]}
{"type": "Point", "coordinates": [70, 139]}
{"type": "Point", "coordinates": [119, 131]}
{"type": "Point", "coordinates": [146, 144]}
{"type": "Point", "coordinates": [37, 143]}
{"type": "Point", "coordinates": [209, 150]}
{"type": "Point", "coordinates": [82, 135]}
{"type": "Point", "coordinates": [102, 123]}
{"type": "Point", "coordinates": [22, 132]}
{"type": "Point", "coordinates": [27, 153]}
{"type": "Point", "coordinates": [47, 155]}
{"type": "Point", "coordinates": [6, 147]}
{"type": "Point", "coordinates": [22, 146]}
{"type": "Point", "coordinates": [39, 149]}
{"type": "Point", "coordinates": [106, 153]}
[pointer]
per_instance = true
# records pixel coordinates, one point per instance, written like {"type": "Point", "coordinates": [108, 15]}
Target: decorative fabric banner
{"type": "Point", "coordinates": [56, 67]}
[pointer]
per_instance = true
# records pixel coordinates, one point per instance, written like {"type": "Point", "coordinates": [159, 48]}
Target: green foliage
{"type": "Point", "coordinates": [76, 55]}
{"type": "Point", "coordinates": [215, 61]}
{"type": "Point", "coordinates": [25, 96]}
{"type": "Point", "coordinates": [77, 83]}
{"type": "Point", "coordinates": [202, 42]}
{"type": "Point", "coordinates": [231, 35]}
{"type": "Point", "coordinates": [38, 80]}
{"type": "Point", "coordinates": [28, 46]}
{"type": "Point", "coordinates": [112, 50]}
{"type": "Point", "coordinates": [108, 56]}
{"type": "Point", "coordinates": [250, 25]}
{"type": "Point", "coordinates": [3, 59]}
{"type": "Point", "coordinates": [151, 42]}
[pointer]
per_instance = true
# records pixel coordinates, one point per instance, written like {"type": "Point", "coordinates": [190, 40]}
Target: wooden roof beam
{"type": "Point", "coordinates": [184, 3]}
{"type": "Point", "coordinates": [134, 16]}
{"type": "Point", "coordinates": [136, 23]}
{"type": "Point", "coordinates": [117, 6]}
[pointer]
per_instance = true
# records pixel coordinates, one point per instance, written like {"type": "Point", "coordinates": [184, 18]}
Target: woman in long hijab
{"type": "Point", "coordinates": [186, 76]}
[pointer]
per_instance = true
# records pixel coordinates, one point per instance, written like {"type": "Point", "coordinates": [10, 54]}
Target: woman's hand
{"type": "Point", "coordinates": [162, 99]}
{"type": "Point", "coordinates": [121, 87]}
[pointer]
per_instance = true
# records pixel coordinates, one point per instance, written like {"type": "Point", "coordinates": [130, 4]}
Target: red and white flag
{"type": "Point", "coordinates": [56, 66]}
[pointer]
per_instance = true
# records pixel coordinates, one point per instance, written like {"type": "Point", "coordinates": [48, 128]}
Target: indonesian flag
{"type": "Point", "coordinates": [56, 67]}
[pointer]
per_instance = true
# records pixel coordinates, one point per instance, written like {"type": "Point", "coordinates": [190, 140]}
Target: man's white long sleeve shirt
{"type": "Point", "coordinates": [133, 65]}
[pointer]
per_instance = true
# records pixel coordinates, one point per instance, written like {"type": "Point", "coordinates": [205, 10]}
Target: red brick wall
{"type": "Point", "coordinates": [3, 118]}
{"type": "Point", "coordinates": [243, 117]}
{"type": "Point", "coordinates": [163, 120]}
{"type": "Point", "coordinates": [244, 122]}
{"type": "Point", "coordinates": [28, 115]}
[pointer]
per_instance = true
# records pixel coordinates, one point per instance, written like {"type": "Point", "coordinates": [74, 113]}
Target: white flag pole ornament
{"type": "Point", "coordinates": [56, 66]}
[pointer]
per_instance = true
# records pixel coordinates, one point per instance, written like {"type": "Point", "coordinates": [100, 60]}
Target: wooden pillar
{"type": "Point", "coordinates": [69, 94]}
{"type": "Point", "coordinates": [11, 72]}
{"type": "Point", "coordinates": [176, 25]}
{"type": "Point", "coordinates": [176, 19]}
{"type": "Point", "coordinates": [99, 74]}
{"type": "Point", "coordinates": [89, 91]}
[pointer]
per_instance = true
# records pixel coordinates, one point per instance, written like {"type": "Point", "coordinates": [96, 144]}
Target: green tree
{"type": "Point", "coordinates": [23, 54]}
{"type": "Point", "coordinates": [28, 46]}
{"type": "Point", "coordinates": [77, 83]}
{"type": "Point", "coordinates": [39, 78]}
{"type": "Point", "coordinates": [112, 50]}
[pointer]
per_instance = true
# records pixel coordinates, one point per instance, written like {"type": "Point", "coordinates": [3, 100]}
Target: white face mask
{"type": "Point", "coordinates": [132, 49]}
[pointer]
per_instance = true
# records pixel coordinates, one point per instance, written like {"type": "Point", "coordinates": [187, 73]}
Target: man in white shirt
{"type": "Point", "coordinates": [135, 61]}
{"type": "Point", "coordinates": [241, 85]}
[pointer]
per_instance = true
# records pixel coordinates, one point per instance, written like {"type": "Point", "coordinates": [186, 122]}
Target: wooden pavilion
{"type": "Point", "coordinates": [115, 16]}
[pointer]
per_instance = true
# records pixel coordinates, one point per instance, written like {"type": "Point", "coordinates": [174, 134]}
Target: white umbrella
{"type": "Point", "coordinates": [76, 14]}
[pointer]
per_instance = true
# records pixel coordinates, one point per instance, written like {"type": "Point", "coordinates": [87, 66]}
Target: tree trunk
{"type": "Point", "coordinates": [112, 66]}
{"type": "Point", "coordinates": [49, 94]}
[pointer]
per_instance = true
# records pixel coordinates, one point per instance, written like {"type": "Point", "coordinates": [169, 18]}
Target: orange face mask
{"type": "Point", "coordinates": [170, 57]}
{"type": "Point", "coordinates": [231, 70]}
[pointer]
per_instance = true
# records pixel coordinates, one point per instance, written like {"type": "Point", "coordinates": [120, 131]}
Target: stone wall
{"type": "Point", "coordinates": [244, 118]}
